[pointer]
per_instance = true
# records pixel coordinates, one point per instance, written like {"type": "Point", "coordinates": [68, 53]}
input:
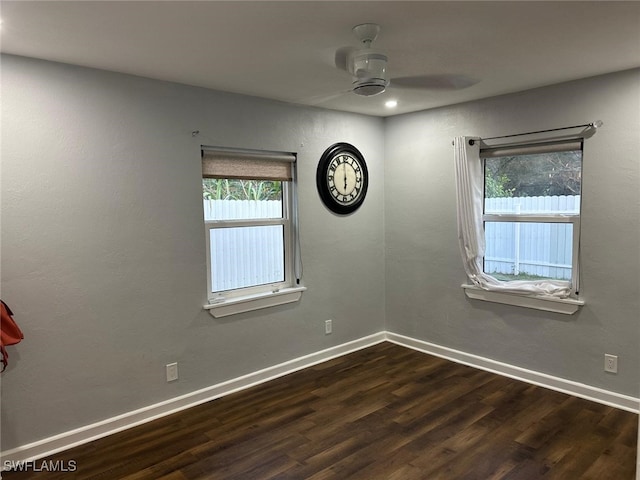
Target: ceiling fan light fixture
{"type": "Point", "coordinates": [369, 64]}
{"type": "Point", "coordinates": [369, 86]}
{"type": "Point", "coordinates": [369, 70]}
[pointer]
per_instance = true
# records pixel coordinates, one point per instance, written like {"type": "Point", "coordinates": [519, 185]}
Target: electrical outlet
{"type": "Point", "coordinates": [172, 371]}
{"type": "Point", "coordinates": [610, 363]}
{"type": "Point", "coordinates": [328, 327]}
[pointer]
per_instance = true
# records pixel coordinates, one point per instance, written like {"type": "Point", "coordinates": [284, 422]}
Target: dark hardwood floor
{"type": "Point", "coordinates": [385, 412]}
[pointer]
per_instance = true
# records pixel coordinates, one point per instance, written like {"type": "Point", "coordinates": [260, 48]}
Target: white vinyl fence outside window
{"type": "Point", "coordinates": [537, 249]}
{"type": "Point", "coordinates": [243, 256]}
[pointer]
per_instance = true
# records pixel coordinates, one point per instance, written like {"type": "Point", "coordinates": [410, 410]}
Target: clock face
{"type": "Point", "coordinates": [345, 178]}
{"type": "Point", "coordinates": [342, 178]}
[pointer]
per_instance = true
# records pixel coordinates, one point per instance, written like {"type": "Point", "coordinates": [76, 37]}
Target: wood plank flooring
{"type": "Point", "coordinates": [385, 412]}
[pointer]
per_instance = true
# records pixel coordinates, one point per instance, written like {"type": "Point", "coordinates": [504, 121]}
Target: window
{"type": "Point", "coordinates": [251, 239]}
{"type": "Point", "coordinates": [532, 212]}
{"type": "Point", "coordinates": [519, 222]}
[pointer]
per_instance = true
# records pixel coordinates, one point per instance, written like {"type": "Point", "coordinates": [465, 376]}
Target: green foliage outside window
{"type": "Point", "coordinates": [235, 189]}
{"type": "Point", "coordinates": [535, 175]}
{"type": "Point", "coordinates": [495, 186]}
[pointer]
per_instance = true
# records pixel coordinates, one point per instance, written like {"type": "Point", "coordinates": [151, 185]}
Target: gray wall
{"type": "Point", "coordinates": [424, 272]}
{"type": "Point", "coordinates": [103, 257]}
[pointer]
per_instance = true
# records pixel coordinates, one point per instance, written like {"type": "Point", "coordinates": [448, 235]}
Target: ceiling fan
{"type": "Point", "coordinates": [368, 68]}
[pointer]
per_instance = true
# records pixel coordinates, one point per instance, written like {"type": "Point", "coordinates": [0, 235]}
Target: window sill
{"type": "Point", "coordinates": [567, 306]}
{"type": "Point", "coordinates": [254, 302]}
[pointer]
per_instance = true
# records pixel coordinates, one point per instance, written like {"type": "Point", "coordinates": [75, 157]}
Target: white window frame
{"type": "Point", "coordinates": [284, 221]}
{"type": "Point", "coordinates": [482, 286]}
{"type": "Point", "coordinates": [573, 219]}
{"type": "Point", "coordinates": [550, 218]}
{"type": "Point", "coordinates": [256, 297]}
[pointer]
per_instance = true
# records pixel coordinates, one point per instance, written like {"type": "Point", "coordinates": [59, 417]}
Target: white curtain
{"type": "Point", "coordinates": [470, 195]}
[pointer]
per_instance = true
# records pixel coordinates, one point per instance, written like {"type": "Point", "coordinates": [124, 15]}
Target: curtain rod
{"type": "Point", "coordinates": [596, 124]}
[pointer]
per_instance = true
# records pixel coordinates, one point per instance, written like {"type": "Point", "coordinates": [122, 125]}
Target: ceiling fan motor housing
{"type": "Point", "coordinates": [369, 70]}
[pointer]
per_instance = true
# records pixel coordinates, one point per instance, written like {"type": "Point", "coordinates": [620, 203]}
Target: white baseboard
{"type": "Point", "coordinates": [88, 433]}
{"type": "Point", "coordinates": [581, 390]}
{"type": "Point", "coordinates": [79, 436]}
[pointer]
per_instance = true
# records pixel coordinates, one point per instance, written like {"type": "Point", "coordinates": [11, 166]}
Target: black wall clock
{"type": "Point", "coordinates": [342, 178]}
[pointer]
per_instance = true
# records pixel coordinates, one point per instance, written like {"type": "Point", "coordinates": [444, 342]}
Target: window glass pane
{"type": "Point", "coordinates": [528, 251]}
{"type": "Point", "coordinates": [534, 184]}
{"type": "Point", "coordinates": [231, 199]}
{"type": "Point", "coordinates": [246, 256]}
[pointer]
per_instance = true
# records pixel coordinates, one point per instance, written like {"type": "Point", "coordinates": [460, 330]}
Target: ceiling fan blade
{"type": "Point", "coordinates": [342, 54]}
{"type": "Point", "coordinates": [435, 82]}
{"type": "Point", "coordinates": [321, 99]}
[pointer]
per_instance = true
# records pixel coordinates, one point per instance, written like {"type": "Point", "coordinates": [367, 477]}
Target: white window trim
{"type": "Point", "coordinates": [285, 222]}
{"type": "Point", "coordinates": [549, 218]}
{"type": "Point", "coordinates": [567, 306]}
{"type": "Point", "coordinates": [290, 290]}
{"type": "Point", "coordinates": [256, 301]}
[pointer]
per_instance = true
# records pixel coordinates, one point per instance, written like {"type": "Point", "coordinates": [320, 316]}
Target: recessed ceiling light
{"type": "Point", "coordinates": [391, 103]}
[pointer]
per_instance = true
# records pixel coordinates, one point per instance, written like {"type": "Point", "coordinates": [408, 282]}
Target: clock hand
{"type": "Point", "coordinates": [345, 178]}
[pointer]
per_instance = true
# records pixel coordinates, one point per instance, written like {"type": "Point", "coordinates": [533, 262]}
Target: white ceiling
{"type": "Point", "coordinates": [285, 50]}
